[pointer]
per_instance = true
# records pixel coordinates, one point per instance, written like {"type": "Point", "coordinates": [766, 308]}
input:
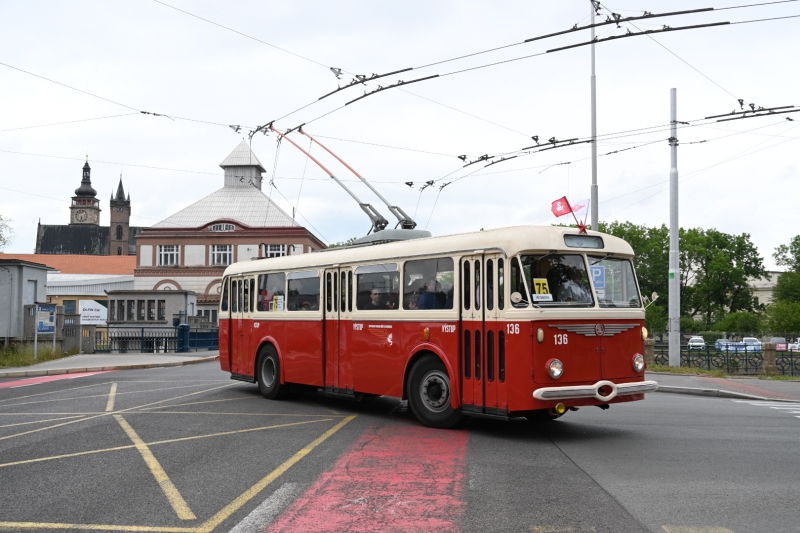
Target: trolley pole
{"type": "Point", "coordinates": [594, 194]}
{"type": "Point", "coordinates": [674, 245]}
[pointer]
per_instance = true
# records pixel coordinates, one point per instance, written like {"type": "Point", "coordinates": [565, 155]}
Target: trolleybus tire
{"type": "Point", "coordinates": [430, 394]}
{"type": "Point", "coordinates": [268, 374]}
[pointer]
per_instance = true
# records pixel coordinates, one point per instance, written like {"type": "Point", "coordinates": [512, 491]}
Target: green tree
{"type": "Point", "coordinates": [651, 246]}
{"type": "Point", "coordinates": [656, 318]}
{"type": "Point", "coordinates": [784, 317]}
{"type": "Point", "coordinates": [6, 232]}
{"type": "Point", "coordinates": [789, 255]}
{"type": "Point", "coordinates": [715, 271]}
{"type": "Point", "coordinates": [787, 289]}
{"type": "Point", "coordinates": [690, 325]}
{"type": "Point", "coordinates": [740, 321]}
{"type": "Point", "coordinates": [348, 242]}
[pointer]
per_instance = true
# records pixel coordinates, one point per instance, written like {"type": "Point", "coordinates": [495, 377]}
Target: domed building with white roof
{"type": "Point", "coordinates": [189, 250]}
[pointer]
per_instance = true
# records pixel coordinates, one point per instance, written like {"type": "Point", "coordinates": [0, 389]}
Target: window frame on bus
{"type": "Point", "coordinates": [302, 275]}
{"type": "Point", "coordinates": [378, 268]}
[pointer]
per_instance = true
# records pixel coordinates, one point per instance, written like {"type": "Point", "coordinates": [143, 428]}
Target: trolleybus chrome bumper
{"type": "Point", "coordinates": [593, 391]}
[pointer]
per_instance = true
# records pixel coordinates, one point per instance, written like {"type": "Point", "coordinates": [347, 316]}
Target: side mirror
{"type": "Point", "coordinates": [516, 297]}
{"type": "Point", "coordinates": [653, 298]}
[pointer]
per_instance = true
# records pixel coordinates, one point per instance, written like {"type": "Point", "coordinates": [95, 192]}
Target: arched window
{"type": "Point", "coordinates": [119, 250]}
{"type": "Point", "coordinates": [119, 233]}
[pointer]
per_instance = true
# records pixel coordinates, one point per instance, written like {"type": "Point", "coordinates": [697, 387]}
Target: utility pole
{"type": "Point", "coordinates": [594, 200]}
{"type": "Point", "coordinates": [674, 245]}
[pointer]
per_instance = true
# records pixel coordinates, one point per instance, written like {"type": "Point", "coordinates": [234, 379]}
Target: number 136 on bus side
{"type": "Point", "coordinates": [515, 322]}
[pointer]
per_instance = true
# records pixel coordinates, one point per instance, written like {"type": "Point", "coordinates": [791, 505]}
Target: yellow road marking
{"type": "Point", "coordinates": [112, 394]}
{"type": "Point", "coordinates": [197, 403]}
{"type": "Point", "coordinates": [225, 413]}
{"type": "Point", "coordinates": [101, 395]}
{"type": "Point", "coordinates": [112, 412]}
{"type": "Point", "coordinates": [167, 487]}
{"type": "Point", "coordinates": [53, 392]}
{"type": "Point", "coordinates": [40, 421]}
{"type": "Point", "coordinates": [154, 443]}
{"type": "Point", "coordinates": [322, 407]}
{"type": "Point", "coordinates": [684, 529]}
{"type": "Point", "coordinates": [93, 527]}
{"type": "Point", "coordinates": [253, 491]}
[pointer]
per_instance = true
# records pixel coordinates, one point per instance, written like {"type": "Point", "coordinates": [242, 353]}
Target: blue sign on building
{"type": "Point", "coordinates": [598, 273]}
{"type": "Point", "coordinates": [46, 318]}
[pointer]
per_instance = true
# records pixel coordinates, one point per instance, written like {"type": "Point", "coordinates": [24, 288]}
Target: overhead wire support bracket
{"type": "Point", "coordinates": [759, 114]}
{"type": "Point", "coordinates": [358, 80]}
{"type": "Point", "coordinates": [636, 34]}
{"type": "Point", "coordinates": [617, 21]}
{"type": "Point", "coordinates": [398, 84]}
{"type": "Point", "coordinates": [403, 220]}
{"type": "Point", "coordinates": [752, 112]}
{"type": "Point", "coordinates": [500, 160]}
{"type": "Point", "coordinates": [379, 222]}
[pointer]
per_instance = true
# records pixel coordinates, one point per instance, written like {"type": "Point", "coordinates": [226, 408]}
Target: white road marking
{"type": "Point", "coordinates": [790, 408]}
{"type": "Point", "coordinates": [269, 509]}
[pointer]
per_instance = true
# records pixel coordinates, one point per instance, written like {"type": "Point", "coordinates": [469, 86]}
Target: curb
{"type": "Point", "coordinates": [719, 393]}
{"type": "Point", "coordinates": [60, 371]}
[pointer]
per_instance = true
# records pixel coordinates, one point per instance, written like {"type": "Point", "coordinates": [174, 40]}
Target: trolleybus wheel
{"type": "Point", "coordinates": [430, 394]}
{"type": "Point", "coordinates": [268, 374]}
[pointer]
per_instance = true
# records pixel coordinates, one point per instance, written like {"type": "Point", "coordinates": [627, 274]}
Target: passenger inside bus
{"type": "Point", "coordinates": [428, 284]}
{"type": "Point", "coordinates": [573, 289]}
{"type": "Point", "coordinates": [378, 291]}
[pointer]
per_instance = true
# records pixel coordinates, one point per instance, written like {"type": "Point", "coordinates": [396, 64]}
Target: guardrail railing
{"type": "Point", "coordinates": [731, 361]}
{"type": "Point", "coordinates": [156, 339]}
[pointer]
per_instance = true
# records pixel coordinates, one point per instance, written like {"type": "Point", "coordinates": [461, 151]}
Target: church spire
{"type": "Point", "coordinates": [120, 191]}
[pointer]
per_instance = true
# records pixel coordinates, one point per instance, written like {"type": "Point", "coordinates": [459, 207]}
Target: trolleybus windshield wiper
{"type": "Point", "coordinates": [602, 258]}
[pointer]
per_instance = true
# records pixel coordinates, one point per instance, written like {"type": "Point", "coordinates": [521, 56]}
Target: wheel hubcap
{"type": "Point", "coordinates": [268, 372]}
{"type": "Point", "coordinates": [435, 391]}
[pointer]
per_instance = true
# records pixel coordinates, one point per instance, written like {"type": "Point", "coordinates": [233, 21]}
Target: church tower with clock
{"type": "Point", "coordinates": [85, 207]}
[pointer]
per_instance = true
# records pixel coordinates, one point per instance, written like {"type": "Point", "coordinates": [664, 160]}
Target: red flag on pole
{"type": "Point", "coordinates": [561, 207]}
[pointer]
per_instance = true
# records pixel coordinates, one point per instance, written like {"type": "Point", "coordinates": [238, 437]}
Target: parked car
{"type": "Point", "coordinates": [721, 345]}
{"type": "Point", "coordinates": [751, 344]}
{"type": "Point", "coordinates": [795, 346]}
{"type": "Point", "coordinates": [780, 343]}
{"type": "Point", "coordinates": [696, 343]}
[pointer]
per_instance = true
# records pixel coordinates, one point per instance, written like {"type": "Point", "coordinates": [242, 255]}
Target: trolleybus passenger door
{"type": "Point", "coordinates": [493, 333]}
{"type": "Point", "coordinates": [331, 325]}
{"type": "Point", "coordinates": [346, 278]}
{"type": "Point", "coordinates": [472, 331]}
{"type": "Point", "coordinates": [237, 336]}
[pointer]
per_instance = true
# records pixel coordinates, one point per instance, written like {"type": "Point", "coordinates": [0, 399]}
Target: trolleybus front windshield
{"type": "Point", "coordinates": [614, 282]}
{"type": "Point", "coordinates": [557, 280]}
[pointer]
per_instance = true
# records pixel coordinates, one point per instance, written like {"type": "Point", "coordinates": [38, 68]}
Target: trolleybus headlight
{"type": "Point", "coordinates": [644, 333]}
{"type": "Point", "coordinates": [555, 368]}
{"type": "Point", "coordinates": [638, 362]}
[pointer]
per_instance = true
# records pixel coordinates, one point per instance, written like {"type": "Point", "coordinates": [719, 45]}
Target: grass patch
{"type": "Point", "coordinates": [23, 356]}
{"type": "Point", "coordinates": [778, 377]}
{"type": "Point", "coordinates": [718, 373]}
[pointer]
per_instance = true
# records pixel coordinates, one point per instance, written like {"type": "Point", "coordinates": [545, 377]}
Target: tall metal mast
{"type": "Point", "coordinates": [378, 220]}
{"type": "Point", "coordinates": [404, 221]}
{"type": "Point", "coordinates": [594, 194]}
{"type": "Point", "coordinates": [674, 304]}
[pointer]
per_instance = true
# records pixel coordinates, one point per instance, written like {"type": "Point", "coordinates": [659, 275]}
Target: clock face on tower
{"type": "Point", "coordinates": [81, 215]}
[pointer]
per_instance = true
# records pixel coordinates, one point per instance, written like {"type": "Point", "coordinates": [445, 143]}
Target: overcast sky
{"type": "Point", "coordinates": [150, 57]}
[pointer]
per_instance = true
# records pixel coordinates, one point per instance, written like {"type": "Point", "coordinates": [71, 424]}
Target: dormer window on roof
{"type": "Point", "coordinates": [223, 227]}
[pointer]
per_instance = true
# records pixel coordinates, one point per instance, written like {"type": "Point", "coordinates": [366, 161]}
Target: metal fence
{"type": "Point", "coordinates": [787, 361]}
{"type": "Point", "coordinates": [711, 359]}
{"type": "Point", "coordinates": [156, 339]}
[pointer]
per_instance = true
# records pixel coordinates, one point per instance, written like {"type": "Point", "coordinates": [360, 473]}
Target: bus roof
{"type": "Point", "coordinates": [508, 241]}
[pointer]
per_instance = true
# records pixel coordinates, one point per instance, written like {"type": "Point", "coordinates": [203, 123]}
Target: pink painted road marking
{"type": "Point", "coordinates": [396, 478]}
{"type": "Point", "coordinates": [47, 379]}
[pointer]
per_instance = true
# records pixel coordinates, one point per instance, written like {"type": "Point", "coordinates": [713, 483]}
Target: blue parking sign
{"type": "Point", "coordinates": [598, 273]}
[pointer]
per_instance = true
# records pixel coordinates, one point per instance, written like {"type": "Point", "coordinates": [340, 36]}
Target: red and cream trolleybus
{"type": "Point", "coordinates": [521, 321]}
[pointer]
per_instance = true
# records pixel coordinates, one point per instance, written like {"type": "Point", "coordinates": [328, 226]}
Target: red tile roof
{"type": "Point", "coordinates": [81, 264]}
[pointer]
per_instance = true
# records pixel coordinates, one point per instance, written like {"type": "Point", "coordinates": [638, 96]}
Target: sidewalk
{"type": "Point", "coordinates": [98, 362]}
{"type": "Point", "coordinates": [746, 388]}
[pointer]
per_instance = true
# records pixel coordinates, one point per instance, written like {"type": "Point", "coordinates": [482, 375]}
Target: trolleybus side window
{"type": "Point", "coordinates": [246, 296]}
{"type": "Point", "coordinates": [501, 287]}
{"type": "Point", "coordinates": [234, 296]}
{"type": "Point", "coordinates": [349, 290]}
{"type": "Point", "coordinates": [224, 299]}
{"type": "Point", "coordinates": [378, 287]}
{"type": "Point", "coordinates": [428, 284]}
{"type": "Point", "coordinates": [303, 292]}
{"type": "Point", "coordinates": [489, 285]}
{"type": "Point", "coordinates": [614, 282]}
{"type": "Point", "coordinates": [518, 284]}
{"type": "Point", "coordinates": [271, 292]}
{"type": "Point", "coordinates": [558, 280]}
{"type": "Point", "coordinates": [477, 289]}
{"type": "Point", "coordinates": [467, 286]}
{"type": "Point", "coordinates": [343, 291]}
